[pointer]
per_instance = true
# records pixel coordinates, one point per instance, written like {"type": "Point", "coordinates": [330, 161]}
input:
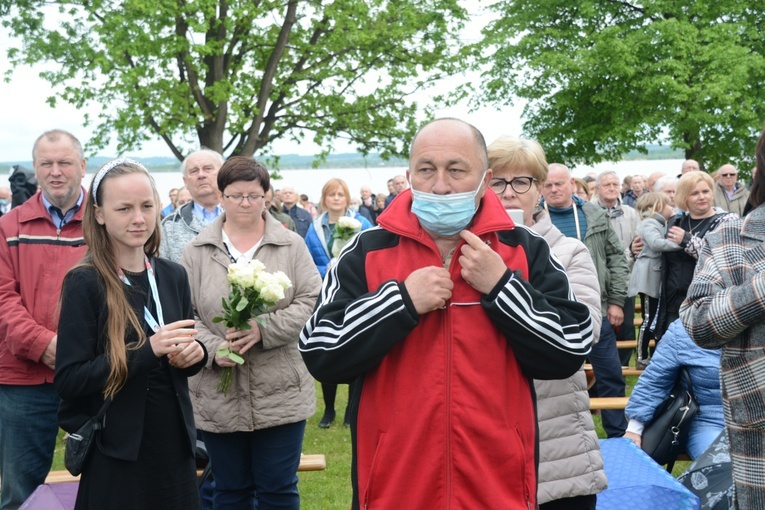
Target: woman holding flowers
{"type": "Point", "coordinates": [329, 232]}
{"type": "Point", "coordinates": [253, 428]}
{"type": "Point", "coordinates": [126, 335]}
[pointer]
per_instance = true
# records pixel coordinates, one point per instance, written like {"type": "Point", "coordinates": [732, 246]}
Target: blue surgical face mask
{"type": "Point", "coordinates": [445, 215]}
{"type": "Point", "coordinates": [3, 202]}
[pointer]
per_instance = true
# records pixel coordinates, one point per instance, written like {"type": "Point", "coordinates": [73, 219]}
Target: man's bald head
{"type": "Point", "coordinates": [480, 142]}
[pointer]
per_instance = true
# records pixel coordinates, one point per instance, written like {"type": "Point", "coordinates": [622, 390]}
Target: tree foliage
{"type": "Point", "coordinates": [235, 75]}
{"type": "Point", "coordinates": [604, 77]}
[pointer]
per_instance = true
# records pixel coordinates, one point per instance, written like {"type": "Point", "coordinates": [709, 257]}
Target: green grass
{"type": "Point", "coordinates": [326, 489]}
{"type": "Point", "coordinates": [331, 488]}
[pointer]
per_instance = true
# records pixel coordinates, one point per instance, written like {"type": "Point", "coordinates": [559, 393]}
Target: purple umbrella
{"type": "Point", "coordinates": [59, 496]}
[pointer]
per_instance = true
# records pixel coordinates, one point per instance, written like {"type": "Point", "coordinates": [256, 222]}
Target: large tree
{"type": "Point", "coordinates": [235, 75]}
{"type": "Point", "coordinates": [604, 77]}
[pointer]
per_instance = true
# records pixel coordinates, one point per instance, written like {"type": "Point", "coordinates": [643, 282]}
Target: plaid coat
{"type": "Point", "coordinates": [725, 307]}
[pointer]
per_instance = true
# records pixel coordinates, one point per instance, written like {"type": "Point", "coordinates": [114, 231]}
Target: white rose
{"type": "Point", "coordinates": [283, 279]}
{"type": "Point", "coordinates": [272, 293]}
{"type": "Point", "coordinates": [263, 280]}
{"type": "Point", "coordinates": [235, 273]}
{"type": "Point", "coordinates": [349, 223]}
{"type": "Point", "coordinates": [257, 266]}
{"type": "Point", "coordinates": [248, 276]}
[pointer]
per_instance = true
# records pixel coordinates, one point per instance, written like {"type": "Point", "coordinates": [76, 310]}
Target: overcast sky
{"type": "Point", "coordinates": [25, 115]}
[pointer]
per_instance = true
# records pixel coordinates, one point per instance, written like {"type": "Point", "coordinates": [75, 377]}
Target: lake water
{"type": "Point", "coordinates": [310, 181]}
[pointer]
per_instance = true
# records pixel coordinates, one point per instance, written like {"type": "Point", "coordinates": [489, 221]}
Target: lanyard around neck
{"type": "Point", "coordinates": [154, 294]}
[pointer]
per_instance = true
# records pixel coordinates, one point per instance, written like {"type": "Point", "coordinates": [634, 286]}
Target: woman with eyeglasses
{"type": "Point", "coordinates": [571, 466]}
{"type": "Point", "coordinates": [254, 431]}
{"type": "Point", "coordinates": [334, 204]}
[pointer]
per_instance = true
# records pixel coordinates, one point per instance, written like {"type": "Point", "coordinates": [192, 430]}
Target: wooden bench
{"type": "Point", "coordinates": [315, 462]}
{"type": "Point", "coordinates": [608, 403]}
{"type": "Point", "coordinates": [631, 344]}
{"type": "Point", "coordinates": [625, 370]}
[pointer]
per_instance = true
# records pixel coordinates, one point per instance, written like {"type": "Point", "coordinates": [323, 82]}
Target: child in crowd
{"type": "Point", "coordinates": [655, 209]}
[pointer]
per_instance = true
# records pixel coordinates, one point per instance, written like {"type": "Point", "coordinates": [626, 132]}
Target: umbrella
{"type": "Point", "coordinates": [59, 496]}
{"type": "Point", "coordinates": [710, 476]}
{"type": "Point", "coordinates": [637, 482]}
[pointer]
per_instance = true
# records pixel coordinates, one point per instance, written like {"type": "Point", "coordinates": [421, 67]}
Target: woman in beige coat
{"type": "Point", "coordinates": [254, 432]}
{"type": "Point", "coordinates": [570, 464]}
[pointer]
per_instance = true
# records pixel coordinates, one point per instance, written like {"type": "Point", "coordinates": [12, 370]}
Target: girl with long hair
{"type": "Point", "coordinates": [126, 334]}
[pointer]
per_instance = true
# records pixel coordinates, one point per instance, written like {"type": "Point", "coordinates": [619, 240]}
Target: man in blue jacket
{"type": "Point", "coordinates": [300, 216]}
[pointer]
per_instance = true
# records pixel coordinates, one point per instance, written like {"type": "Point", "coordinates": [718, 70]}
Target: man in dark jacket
{"type": "Point", "coordinates": [300, 216]}
{"type": "Point", "coordinates": [442, 316]}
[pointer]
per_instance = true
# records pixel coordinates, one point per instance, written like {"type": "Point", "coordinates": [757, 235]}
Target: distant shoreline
{"type": "Point", "coordinates": [346, 160]}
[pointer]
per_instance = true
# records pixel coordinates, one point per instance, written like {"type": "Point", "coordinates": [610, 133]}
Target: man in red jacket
{"type": "Point", "coordinates": [443, 315]}
{"type": "Point", "coordinates": [41, 240]}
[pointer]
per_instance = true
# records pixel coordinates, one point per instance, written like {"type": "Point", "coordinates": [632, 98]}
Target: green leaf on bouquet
{"type": "Point", "coordinates": [242, 304]}
{"type": "Point", "coordinates": [217, 319]}
{"type": "Point", "coordinates": [235, 358]}
{"type": "Point", "coordinates": [223, 351]}
{"type": "Point", "coordinates": [261, 322]}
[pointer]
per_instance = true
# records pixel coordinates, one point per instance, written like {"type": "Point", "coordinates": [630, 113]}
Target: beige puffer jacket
{"type": "Point", "coordinates": [570, 463]}
{"type": "Point", "coordinates": [273, 387]}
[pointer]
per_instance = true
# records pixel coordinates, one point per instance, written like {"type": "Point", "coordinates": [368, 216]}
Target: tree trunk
{"type": "Point", "coordinates": [693, 150]}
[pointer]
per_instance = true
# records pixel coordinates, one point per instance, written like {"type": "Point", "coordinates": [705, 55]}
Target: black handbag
{"type": "Point", "coordinates": [665, 437]}
{"type": "Point", "coordinates": [79, 444]}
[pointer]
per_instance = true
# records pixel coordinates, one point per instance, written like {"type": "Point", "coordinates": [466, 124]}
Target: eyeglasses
{"type": "Point", "coordinates": [238, 199]}
{"type": "Point", "coordinates": [728, 175]}
{"type": "Point", "coordinates": [519, 184]}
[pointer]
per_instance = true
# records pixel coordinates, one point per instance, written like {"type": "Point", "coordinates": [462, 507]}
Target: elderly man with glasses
{"type": "Point", "coordinates": [730, 194]}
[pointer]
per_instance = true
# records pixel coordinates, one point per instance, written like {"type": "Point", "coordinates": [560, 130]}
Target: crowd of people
{"type": "Point", "coordinates": [459, 309]}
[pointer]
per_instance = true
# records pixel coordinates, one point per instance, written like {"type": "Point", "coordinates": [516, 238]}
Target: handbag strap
{"type": "Point", "coordinates": [101, 412]}
{"type": "Point", "coordinates": [684, 374]}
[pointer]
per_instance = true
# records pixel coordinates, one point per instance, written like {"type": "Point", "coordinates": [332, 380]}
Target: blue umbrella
{"type": "Point", "coordinates": [637, 482]}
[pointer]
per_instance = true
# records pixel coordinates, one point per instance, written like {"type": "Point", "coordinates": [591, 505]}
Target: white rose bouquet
{"type": "Point", "coordinates": [253, 292]}
{"type": "Point", "coordinates": [345, 228]}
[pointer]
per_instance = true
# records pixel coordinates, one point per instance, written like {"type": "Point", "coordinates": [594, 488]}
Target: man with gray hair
{"type": "Point", "coordinates": [730, 194]}
{"type": "Point", "coordinates": [367, 206]}
{"type": "Point", "coordinates": [399, 184]}
{"type": "Point", "coordinates": [302, 218]}
{"type": "Point", "coordinates": [668, 186]}
{"type": "Point", "coordinates": [651, 182]}
{"type": "Point", "coordinates": [41, 240]}
{"type": "Point", "coordinates": [689, 165]}
{"type": "Point", "coordinates": [624, 220]}
{"type": "Point", "coordinates": [200, 175]}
